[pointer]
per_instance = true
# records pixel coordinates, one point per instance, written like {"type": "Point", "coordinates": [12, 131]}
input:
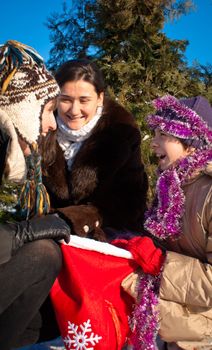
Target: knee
{"type": "Point", "coordinates": [46, 255]}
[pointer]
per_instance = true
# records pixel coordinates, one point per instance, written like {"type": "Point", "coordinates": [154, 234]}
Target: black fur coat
{"type": "Point", "coordinates": [107, 173]}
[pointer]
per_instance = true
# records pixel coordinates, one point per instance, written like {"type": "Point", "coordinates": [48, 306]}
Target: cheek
{"type": "Point", "coordinates": [89, 110]}
{"type": "Point", "coordinates": [93, 108]}
{"type": "Point", "coordinates": [45, 119]}
{"type": "Point", "coordinates": [177, 151]}
{"type": "Point", "coordinates": [62, 107]}
{"type": "Point", "coordinates": [48, 120]}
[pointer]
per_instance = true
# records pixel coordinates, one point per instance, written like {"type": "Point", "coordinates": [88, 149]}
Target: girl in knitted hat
{"type": "Point", "coordinates": [29, 258]}
{"type": "Point", "coordinates": [180, 219]}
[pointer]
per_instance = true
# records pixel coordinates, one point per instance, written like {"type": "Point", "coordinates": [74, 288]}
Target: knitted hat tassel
{"type": "Point", "coordinates": [34, 199]}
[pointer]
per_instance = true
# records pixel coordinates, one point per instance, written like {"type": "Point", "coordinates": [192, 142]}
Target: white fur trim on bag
{"type": "Point", "coordinates": [101, 247]}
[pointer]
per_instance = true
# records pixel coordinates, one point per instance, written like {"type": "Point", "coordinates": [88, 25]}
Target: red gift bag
{"type": "Point", "coordinates": [91, 308]}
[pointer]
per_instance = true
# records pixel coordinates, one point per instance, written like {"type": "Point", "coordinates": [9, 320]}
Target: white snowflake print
{"type": "Point", "coordinates": [78, 338]}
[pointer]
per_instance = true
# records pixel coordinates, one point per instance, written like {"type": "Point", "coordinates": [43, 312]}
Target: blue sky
{"type": "Point", "coordinates": [197, 29]}
{"type": "Point", "coordinates": [24, 20]}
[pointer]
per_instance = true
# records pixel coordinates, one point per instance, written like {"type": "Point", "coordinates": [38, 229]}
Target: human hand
{"type": "Point", "coordinates": [44, 227]}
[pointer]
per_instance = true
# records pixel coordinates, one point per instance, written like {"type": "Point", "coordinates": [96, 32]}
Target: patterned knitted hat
{"type": "Point", "coordinates": [25, 87]}
{"type": "Point", "coordinates": [187, 119]}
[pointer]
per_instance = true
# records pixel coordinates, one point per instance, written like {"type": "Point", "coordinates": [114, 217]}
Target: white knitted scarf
{"type": "Point", "coordinates": [71, 140]}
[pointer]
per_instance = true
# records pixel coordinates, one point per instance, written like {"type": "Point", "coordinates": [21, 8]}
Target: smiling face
{"type": "Point", "coordinates": [78, 103]}
{"type": "Point", "coordinates": [168, 149]}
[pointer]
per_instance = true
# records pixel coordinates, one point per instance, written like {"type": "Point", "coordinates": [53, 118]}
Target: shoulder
{"type": "Point", "coordinates": [117, 114]}
{"type": "Point", "coordinates": [198, 193]}
{"type": "Point", "coordinates": [117, 124]}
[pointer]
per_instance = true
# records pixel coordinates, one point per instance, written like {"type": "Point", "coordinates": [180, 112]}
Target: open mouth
{"type": "Point", "coordinates": [160, 156]}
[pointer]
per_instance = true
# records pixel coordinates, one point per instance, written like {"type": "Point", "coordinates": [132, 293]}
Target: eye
{"type": "Point", "coordinates": [84, 100]}
{"type": "Point", "coordinates": [152, 133]}
{"type": "Point", "coordinates": [64, 99]}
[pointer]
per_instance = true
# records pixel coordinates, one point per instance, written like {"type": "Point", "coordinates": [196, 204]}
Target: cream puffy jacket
{"type": "Point", "coordinates": [186, 287]}
{"type": "Point", "coordinates": [185, 299]}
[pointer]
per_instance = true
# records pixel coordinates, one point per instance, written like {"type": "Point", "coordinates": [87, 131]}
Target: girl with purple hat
{"type": "Point", "coordinates": [180, 220]}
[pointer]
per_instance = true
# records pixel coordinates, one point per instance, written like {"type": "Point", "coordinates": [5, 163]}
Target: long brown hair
{"type": "Point", "coordinates": [47, 148]}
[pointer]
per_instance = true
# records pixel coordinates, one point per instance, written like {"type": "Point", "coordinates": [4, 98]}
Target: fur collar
{"type": "Point", "coordinates": [93, 157]}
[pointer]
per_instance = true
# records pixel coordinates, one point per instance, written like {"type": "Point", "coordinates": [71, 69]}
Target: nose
{"type": "Point", "coordinates": [154, 142]}
{"type": "Point", "coordinates": [75, 108]}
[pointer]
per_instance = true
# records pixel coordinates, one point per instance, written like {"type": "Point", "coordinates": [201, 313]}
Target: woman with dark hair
{"type": "Point", "coordinates": [95, 176]}
{"type": "Point", "coordinates": [95, 166]}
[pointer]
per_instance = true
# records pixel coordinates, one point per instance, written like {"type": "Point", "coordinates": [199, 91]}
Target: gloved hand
{"type": "Point", "coordinates": [45, 227]}
{"type": "Point", "coordinates": [144, 252]}
{"type": "Point", "coordinates": [85, 220]}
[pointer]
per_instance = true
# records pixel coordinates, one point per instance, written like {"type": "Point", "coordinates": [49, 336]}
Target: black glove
{"type": "Point", "coordinates": [45, 227]}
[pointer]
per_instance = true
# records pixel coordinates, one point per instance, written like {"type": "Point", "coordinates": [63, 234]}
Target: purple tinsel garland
{"type": "Point", "coordinates": [144, 318]}
{"type": "Point", "coordinates": [163, 220]}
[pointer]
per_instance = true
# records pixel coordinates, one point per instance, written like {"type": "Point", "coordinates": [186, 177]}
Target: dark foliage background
{"type": "Point", "coordinates": [126, 39]}
{"type": "Point", "coordinates": [139, 62]}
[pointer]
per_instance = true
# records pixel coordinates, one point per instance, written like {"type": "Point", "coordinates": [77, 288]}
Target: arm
{"type": "Point", "coordinates": [106, 154]}
{"type": "Point", "coordinates": [181, 323]}
{"type": "Point", "coordinates": [185, 304]}
{"type": "Point", "coordinates": [108, 183]}
{"type": "Point", "coordinates": [113, 176]}
{"type": "Point", "coordinates": [14, 235]}
{"type": "Point", "coordinates": [186, 281]}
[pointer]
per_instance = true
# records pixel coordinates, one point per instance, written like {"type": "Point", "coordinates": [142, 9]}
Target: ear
{"type": "Point", "coordinates": [100, 99]}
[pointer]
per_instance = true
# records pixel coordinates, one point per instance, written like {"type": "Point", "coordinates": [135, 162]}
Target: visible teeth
{"type": "Point", "coordinates": [161, 156]}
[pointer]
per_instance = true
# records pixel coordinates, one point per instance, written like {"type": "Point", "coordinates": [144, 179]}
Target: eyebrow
{"type": "Point", "coordinates": [63, 95]}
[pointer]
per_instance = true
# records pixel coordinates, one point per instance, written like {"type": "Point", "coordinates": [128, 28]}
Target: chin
{"type": "Point", "coordinates": [163, 167]}
{"type": "Point", "coordinates": [74, 127]}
